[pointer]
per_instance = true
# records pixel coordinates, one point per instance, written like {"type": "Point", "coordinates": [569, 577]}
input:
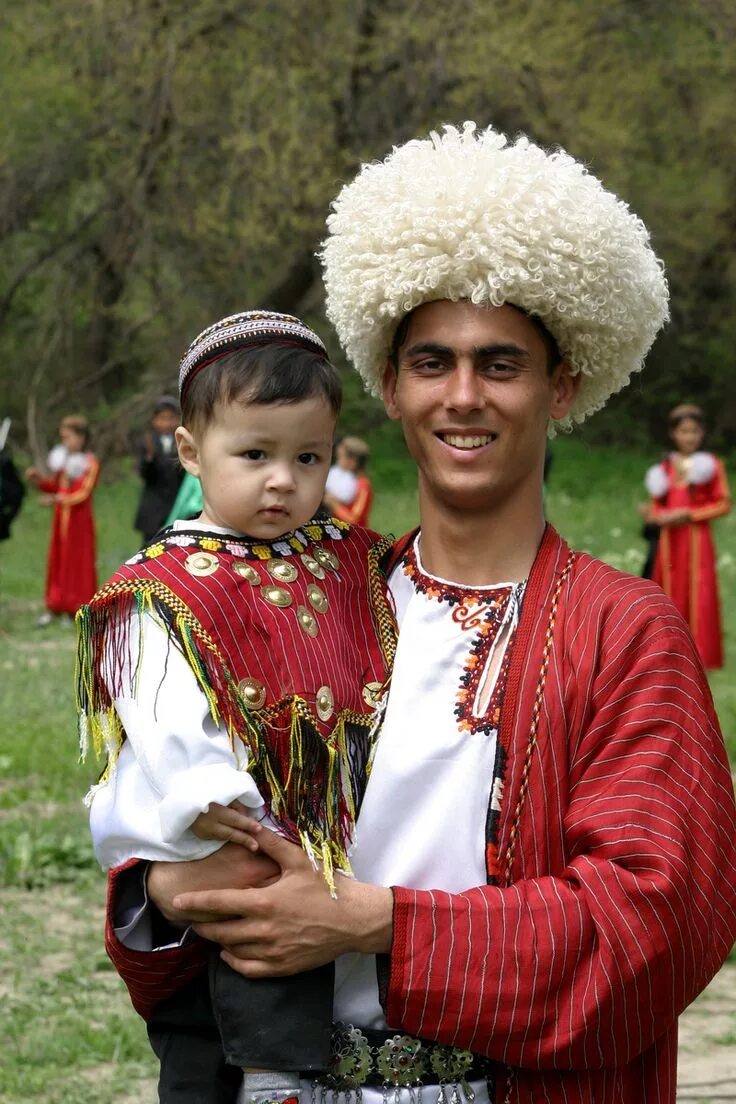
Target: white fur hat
{"type": "Point", "coordinates": [466, 215]}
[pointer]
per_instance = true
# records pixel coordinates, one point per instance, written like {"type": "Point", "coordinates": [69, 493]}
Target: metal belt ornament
{"type": "Point", "coordinates": [399, 1062]}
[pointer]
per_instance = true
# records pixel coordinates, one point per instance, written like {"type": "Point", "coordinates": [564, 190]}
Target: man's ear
{"type": "Point", "coordinates": [565, 387]}
{"type": "Point", "coordinates": [388, 390]}
{"type": "Point", "coordinates": [188, 451]}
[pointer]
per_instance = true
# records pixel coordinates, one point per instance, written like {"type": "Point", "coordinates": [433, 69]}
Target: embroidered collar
{"type": "Point", "coordinates": [441, 590]}
{"type": "Point", "coordinates": [290, 544]}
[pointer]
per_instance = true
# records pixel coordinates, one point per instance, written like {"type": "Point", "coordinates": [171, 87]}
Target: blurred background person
{"type": "Point", "coordinates": [348, 492]}
{"type": "Point", "coordinates": [73, 470]}
{"type": "Point", "coordinates": [12, 488]}
{"type": "Point", "coordinates": [688, 489]}
{"type": "Point", "coordinates": [159, 468]}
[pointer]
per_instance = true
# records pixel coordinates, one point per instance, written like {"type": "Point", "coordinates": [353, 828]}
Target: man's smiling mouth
{"type": "Point", "coordinates": [467, 441]}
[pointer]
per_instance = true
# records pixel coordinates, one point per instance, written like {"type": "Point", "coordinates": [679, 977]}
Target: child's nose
{"type": "Point", "coordinates": [281, 478]}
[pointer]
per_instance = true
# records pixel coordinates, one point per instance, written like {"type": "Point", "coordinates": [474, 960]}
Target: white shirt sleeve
{"type": "Point", "coordinates": [173, 762]}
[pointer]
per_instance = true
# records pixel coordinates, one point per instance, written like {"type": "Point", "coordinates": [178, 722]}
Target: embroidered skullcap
{"type": "Point", "coordinates": [468, 215]}
{"type": "Point", "coordinates": [239, 330]}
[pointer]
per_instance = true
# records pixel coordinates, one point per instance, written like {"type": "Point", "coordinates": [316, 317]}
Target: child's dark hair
{"type": "Point", "coordinates": [276, 372]}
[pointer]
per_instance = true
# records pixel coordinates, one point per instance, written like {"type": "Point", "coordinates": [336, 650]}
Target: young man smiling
{"type": "Point", "coordinates": [545, 856]}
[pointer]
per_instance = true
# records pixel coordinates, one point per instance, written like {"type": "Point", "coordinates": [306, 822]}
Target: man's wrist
{"type": "Point", "coordinates": [371, 918]}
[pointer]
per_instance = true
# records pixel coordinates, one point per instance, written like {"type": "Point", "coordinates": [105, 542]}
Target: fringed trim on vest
{"type": "Point", "coordinates": [311, 784]}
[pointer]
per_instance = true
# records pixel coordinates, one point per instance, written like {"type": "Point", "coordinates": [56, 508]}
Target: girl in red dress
{"type": "Point", "coordinates": [71, 576]}
{"type": "Point", "coordinates": [688, 490]}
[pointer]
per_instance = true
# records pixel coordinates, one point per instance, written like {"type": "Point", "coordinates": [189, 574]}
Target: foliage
{"type": "Point", "coordinates": [166, 162]}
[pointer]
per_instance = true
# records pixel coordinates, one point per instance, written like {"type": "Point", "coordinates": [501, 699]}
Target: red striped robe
{"type": "Point", "coordinates": [621, 905]}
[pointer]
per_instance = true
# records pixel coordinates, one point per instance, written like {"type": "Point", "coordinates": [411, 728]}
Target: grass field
{"type": "Point", "coordinates": [69, 1032]}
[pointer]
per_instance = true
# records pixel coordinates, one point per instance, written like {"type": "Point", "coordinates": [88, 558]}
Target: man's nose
{"type": "Point", "coordinates": [464, 388]}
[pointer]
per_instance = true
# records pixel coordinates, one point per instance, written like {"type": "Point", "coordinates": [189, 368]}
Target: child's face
{"type": "Point", "coordinates": [687, 436]}
{"type": "Point", "coordinates": [72, 440]}
{"type": "Point", "coordinates": [345, 459]}
{"type": "Point", "coordinates": [262, 467]}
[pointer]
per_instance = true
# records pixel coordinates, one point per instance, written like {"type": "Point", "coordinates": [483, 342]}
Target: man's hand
{"type": "Point", "coordinates": [232, 867]}
{"type": "Point", "coordinates": [293, 924]}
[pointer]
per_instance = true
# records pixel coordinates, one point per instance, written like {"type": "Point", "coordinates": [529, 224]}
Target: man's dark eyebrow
{"type": "Point", "coordinates": [478, 350]}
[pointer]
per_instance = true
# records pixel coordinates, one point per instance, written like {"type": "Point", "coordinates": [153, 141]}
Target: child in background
{"type": "Point", "coordinates": [688, 490]}
{"type": "Point", "coordinates": [159, 468]}
{"type": "Point", "coordinates": [348, 492]}
{"type": "Point", "coordinates": [253, 695]}
{"type": "Point", "coordinates": [71, 575]}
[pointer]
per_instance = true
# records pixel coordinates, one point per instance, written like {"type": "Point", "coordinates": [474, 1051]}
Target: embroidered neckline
{"type": "Point", "coordinates": [466, 597]}
{"type": "Point", "coordinates": [290, 544]}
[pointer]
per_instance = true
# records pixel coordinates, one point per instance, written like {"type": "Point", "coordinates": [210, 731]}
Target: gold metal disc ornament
{"type": "Point", "coordinates": [327, 559]}
{"type": "Point", "coordinates": [324, 703]}
{"type": "Point", "coordinates": [282, 570]}
{"type": "Point", "coordinates": [312, 565]}
{"type": "Point", "coordinates": [201, 563]}
{"type": "Point", "coordinates": [371, 690]}
{"type": "Point", "coordinates": [307, 620]}
{"type": "Point", "coordinates": [247, 572]}
{"type": "Point", "coordinates": [276, 596]}
{"type": "Point", "coordinates": [252, 692]}
{"type": "Point", "coordinates": [317, 598]}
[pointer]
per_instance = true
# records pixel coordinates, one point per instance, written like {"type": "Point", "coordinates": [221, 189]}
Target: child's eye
{"type": "Point", "coordinates": [308, 458]}
{"type": "Point", "coordinates": [254, 454]}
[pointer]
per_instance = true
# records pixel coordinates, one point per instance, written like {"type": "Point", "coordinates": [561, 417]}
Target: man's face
{"type": "Point", "coordinates": [474, 394]}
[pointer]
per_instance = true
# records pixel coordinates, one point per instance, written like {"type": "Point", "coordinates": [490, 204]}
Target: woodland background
{"type": "Point", "coordinates": [164, 162]}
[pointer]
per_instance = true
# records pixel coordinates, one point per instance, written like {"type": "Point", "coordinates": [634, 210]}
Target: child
{"type": "Point", "coordinates": [688, 490]}
{"type": "Point", "coordinates": [348, 492]}
{"type": "Point", "coordinates": [159, 468]}
{"type": "Point", "coordinates": [71, 575]}
{"type": "Point", "coordinates": [218, 668]}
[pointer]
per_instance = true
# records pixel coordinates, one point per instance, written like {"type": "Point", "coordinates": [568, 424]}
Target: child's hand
{"type": "Point", "coordinates": [229, 823]}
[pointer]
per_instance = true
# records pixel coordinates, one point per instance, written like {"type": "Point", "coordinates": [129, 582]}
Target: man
{"type": "Point", "coordinates": [550, 799]}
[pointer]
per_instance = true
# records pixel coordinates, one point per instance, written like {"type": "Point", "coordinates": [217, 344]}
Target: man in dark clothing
{"type": "Point", "coordinates": [159, 468]}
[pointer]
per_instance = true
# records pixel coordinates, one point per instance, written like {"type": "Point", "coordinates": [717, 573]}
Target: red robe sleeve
{"type": "Point", "coordinates": [720, 498]}
{"type": "Point", "coordinates": [585, 966]}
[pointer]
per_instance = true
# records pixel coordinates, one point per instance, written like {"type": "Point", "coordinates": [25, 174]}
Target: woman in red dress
{"type": "Point", "coordinates": [71, 576]}
{"type": "Point", "coordinates": [688, 490]}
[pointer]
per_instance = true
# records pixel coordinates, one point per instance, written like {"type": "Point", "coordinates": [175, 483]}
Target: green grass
{"type": "Point", "coordinates": [69, 1032]}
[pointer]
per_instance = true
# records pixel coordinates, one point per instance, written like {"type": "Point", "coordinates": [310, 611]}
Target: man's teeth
{"type": "Point", "coordinates": [466, 442]}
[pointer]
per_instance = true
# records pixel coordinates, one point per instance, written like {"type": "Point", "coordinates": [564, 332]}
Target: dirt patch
{"type": "Point", "coordinates": [707, 1056]}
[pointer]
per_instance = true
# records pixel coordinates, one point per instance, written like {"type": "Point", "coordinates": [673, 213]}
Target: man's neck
{"type": "Point", "coordinates": [480, 549]}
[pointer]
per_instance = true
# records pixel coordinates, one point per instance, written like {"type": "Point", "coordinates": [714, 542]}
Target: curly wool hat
{"type": "Point", "coordinates": [467, 215]}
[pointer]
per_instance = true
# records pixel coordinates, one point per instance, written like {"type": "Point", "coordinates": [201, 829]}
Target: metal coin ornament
{"type": "Point", "coordinates": [276, 596]}
{"type": "Point", "coordinates": [371, 690]}
{"type": "Point", "coordinates": [324, 703]}
{"type": "Point", "coordinates": [327, 559]}
{"type": "Point", "coordinates": [201, 563]}
{"type": "Point", "coordinates": [317, 598]}
{"type": "Point", "coordinates": [312, 565]}
{"type": "Point", "coordinates": [282, 570]}
{"type": "Point", "coordinates": [307, 620]}
{"type": "Point", "coordinates": [252, 692]}
{"type": "Point", "coordinates": [247, 572]}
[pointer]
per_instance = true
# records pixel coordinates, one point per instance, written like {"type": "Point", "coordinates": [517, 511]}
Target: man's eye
{"type": "Point", "coordinates": [498, 368]}
{"type": "Point", "coordinates": [254, 454]}
{"type": "Point", "coordinates": [428, 367]}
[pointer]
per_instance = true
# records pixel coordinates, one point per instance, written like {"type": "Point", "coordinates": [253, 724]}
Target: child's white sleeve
{"type": "Point", "coordinates": [173, 762]}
